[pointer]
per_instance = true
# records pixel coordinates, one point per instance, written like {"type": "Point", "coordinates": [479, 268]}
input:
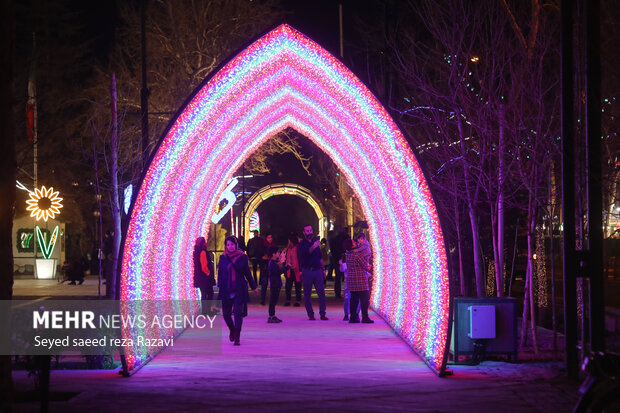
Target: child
{"type": "Point", "coordinates": [275, 269]}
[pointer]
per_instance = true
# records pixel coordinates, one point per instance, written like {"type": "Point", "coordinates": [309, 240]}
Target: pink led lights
{"type": "Point", "coordinates": [286, 80]}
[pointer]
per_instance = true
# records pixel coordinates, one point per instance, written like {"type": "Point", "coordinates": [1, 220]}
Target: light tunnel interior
{"type": "Point", "coordinates": [285, 80]}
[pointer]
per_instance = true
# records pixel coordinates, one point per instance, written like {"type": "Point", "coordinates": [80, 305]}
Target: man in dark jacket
{"type": "Point", "coordinates": [312, 272]}
{"type": "Point", "coordinates": [256, 250]}
{"type": "Point", "coordinates": [264, 272]}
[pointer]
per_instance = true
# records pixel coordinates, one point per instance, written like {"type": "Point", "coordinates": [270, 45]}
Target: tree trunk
{"type": "Point", "coordinates": [526, 309]}
{"type": "Point", "coordinates": [8, 168]}
{"type": "Point", "coordinates": [480, 276]}
{"type": "Point", "coordinates": [111, 291]}
{"type": "Point", "coordinates": [529, 302]}
{"type": "Point", "coordinates": [98, 197]}
{"type": "Point", "coordinates": [499, 244]}
{"type": "Point", "coordinates": [514, 256]}
{"type": "Point", "coordinates": [552, 258]}
{"type": "Point", "coordinates": [464, 285]}
{"type": "Point", "coordinates": [495, 251]}
{"type": "Point", "coordinates": [553, 309]}
{"type": "Point", "coordinates": [530, 274]}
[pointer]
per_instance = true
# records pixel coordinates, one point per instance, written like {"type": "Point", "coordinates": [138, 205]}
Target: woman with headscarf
{"type": "Point", "coordinates": [293, 274]}
{"type": "Point", "coordinates": [233, 277]}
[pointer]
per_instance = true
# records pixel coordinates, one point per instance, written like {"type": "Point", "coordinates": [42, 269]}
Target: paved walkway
{"type": "Point", "coordinates": [52, 289]}
{"type": "Point", "coordinates": [303, 365]}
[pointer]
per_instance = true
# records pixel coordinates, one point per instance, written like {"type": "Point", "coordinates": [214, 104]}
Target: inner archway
{"type": "Point", "coordinates": [285, 80]}
{"type": "Point", "coordinates": [284, 188]}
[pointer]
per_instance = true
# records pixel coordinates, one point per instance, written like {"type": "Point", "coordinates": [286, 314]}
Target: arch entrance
{"type": "Point", "coordinates": [269, 191]}
{"type": "Point", "coordinates": [285, 80]}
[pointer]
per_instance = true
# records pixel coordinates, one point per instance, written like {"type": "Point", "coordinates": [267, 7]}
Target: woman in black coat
{"type": "Point", "coordinates": [204, 278]}
{"type": "Point", "coordinates": [233, 277]}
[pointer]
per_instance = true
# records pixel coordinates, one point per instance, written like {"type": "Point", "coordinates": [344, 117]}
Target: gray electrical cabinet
{"type": "Point", "coordinates": [491, 319]}
{"type": "Point", "coordinates": [481, 321]}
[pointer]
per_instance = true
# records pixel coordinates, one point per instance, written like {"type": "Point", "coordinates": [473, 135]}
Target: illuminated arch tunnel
{"type": "Point", "coordinates": [285, 80]}
{"type": "Point", "coordinates": [284, 188]}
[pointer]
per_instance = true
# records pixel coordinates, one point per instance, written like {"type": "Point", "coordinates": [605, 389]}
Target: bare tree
{"type": "Point", "coordinates": [535, 121]}
{"type": "Point", "coordinates": [466, 102]}
{"type": "Point", "coordinates": [283, 142]}
{"type": "Point", "coordinates": [452, 75]}
{"type": "Point", "coordinates": [337, 195]}
{"type": "Point", "coordinates": [186, 41]}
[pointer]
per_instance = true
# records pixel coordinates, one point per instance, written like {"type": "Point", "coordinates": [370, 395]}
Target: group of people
{"type": "Point", "coordinates": [302, 263]}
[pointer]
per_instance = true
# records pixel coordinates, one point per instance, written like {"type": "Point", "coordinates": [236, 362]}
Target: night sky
{"type": "Point", "coordinates": [318, 19]}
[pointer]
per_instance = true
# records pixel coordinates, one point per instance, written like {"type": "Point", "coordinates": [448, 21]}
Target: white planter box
{"type": "Point", "coordinates": [46, 269]}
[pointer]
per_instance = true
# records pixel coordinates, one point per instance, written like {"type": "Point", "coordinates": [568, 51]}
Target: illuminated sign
{"type": "Point", "coordinates": [127, 194]}
{"type": "Point", "coordinates": [229, 196]}
{"type": "Point", "coordinates": [255, 222]}
{"type": "Point", "coordinates": [46, 246]}
{"type": "Point", "coordinates": [44, 203]}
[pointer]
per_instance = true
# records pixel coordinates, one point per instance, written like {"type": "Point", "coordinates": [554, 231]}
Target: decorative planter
{"type": "Point", "coordinates": [46, 268]}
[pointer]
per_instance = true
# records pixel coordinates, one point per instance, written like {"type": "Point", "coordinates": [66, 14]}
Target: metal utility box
{"type": "Point", "coordinates": [505, 314]}
{"type": "Point", "coordinates": [481, 321]}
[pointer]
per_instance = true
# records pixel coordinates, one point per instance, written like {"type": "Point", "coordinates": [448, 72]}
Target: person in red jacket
{"type": "Point", "coordinates": [293, 275]}
{"type": "Point", "coordinates": [204, 278]}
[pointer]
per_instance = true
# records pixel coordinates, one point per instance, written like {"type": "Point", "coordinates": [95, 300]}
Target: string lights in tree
{"type": "Point", "coordinates": [285, 80]}
{"type": "Point", "coordinates": [540, 272]}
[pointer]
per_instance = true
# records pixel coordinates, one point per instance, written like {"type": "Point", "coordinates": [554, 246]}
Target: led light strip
{"type": "Point", "coordinates": [286, 80]}
{"type": "Point", "coordinates": [47, 248]}
{"type": "Point", "coordinates": [281, 189]}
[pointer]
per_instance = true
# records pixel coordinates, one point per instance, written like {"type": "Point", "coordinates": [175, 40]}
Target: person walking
{"type": "Point", "coordinates": [204, 277]}
{"type": "Point", "coordinates": [241, 241]}
{"type": "Point", "coordinates": [233, 272]}
{"type": "Point", "coordinates": [276, 268]}
{"type": "Point", "coordinates": [263, 279]}
{"type": "Point", "coordinates": [293, 274]}
{"type": "Point", "coordinates": [312, 272]}
{"type": "Point", "coordinates": [357, 260]}
{"type": "Point", "coordinates": [256, 249]}
{"type": "Point", "coordinates": [336, 250]}
{"type": "Point", "coordinates": [347, 246]}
